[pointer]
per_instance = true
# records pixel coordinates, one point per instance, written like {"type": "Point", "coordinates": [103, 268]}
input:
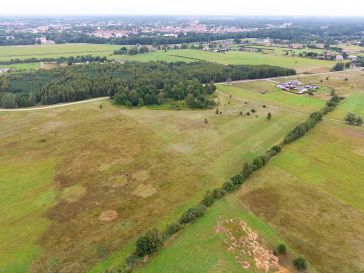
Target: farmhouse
{"type": "Point", "coordinates": [339, 58]}
{"type": "Point", "coordinates": [296, 86]}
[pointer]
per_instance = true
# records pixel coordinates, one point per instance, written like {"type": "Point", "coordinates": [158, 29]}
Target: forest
{"type": "Point", "coordinates": [131, 83]}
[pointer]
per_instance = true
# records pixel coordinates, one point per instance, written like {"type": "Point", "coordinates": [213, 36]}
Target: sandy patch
{"type": "Point", "coordinates": [73, 193]}
{"type": "Point", "coordinates": [181, 148]}
{"type": "Point", "coordinates": [141, 176]}
{"type": "Point", "coordinates": [108, 216]}
{"type": "Point", "coordinates": [245, 244]}
{"type": "Point", "coordinates": [50, 126]}
{"type": "Point", "coordinates": [144, 190]}
{"type": "Point", "coordinates": [117, 181]}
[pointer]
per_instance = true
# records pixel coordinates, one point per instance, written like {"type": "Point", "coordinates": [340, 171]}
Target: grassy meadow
{"type": "Point", "coordinates": [55, 51]}
{"type": "Point", "coordinates": [234, 57]}
{"type": "Point", "coordinates": [311, 195]}
{"type": "Point", "coordinates": [64, 169]}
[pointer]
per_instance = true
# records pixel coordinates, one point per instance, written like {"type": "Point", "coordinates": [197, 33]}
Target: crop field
{"type": "Point", "coordinates": [55, 51]}
{"type": "Point", "coordinates": [311, 195]}
{"type": "Point", "coordinates": [81, 183]}
{"type": "Point", "coordinates": [234, 57]}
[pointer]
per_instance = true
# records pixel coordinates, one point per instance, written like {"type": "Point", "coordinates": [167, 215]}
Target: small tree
{"type": "Point", "coordinates": [300, 263]}
{"type": "Point", "coordinates": [269, 116]}
{"type": "Point", "coordinates": [148, 243]}
{"type": "Point", "coordinates": [206, 121]}
{"type": "Point", "coordinates": [282, 249]}
{"type": "Point", "coordinates": [217, 111]}
{"type": "Point", "coordinates": [332, 92]}
{"type": "Point", "coordinates": [100, 106]}
{"type": "Point", "coordinates": [358, 121]}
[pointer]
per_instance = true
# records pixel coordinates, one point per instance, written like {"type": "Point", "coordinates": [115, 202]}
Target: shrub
{"type": "Point", "coordinates": [258, 162]}
{"type": "Point", "coordinates": [276, 149]}
{"type": "Point", "coordinates": [148, 243]}
{"type": "Point", "coordinates": [253, 110]}
{"type": "Point", "coordinates": [282, 248]}
{"type": "Point", "coordinates": [300, 263]}
{"type": "Point", "coordinates": [172, 229]}
{"type": "Point", "coordinates": [269, 116]}
{"type": "Point", "coordinates": [192, 213]}
{"type": "Point", "coordinates": [237, 179]}
{"type": "Point", "coordinates": [229, 186]}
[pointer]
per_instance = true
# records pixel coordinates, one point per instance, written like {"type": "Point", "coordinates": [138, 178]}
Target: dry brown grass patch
{"type": "Point", "coordinates": [108, 216]}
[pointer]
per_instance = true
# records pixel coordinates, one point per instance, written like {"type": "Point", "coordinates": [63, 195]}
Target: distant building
{"type": "Point", "coordinates": [44, 41]}
{"type": "Point", "coordinates": [339, 58]}
{"type": "Point", "coordinates": [297, 86]}
{"type": "Point", "coordinates": [353, 57]}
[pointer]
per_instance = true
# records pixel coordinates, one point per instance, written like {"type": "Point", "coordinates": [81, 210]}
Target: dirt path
{"type": "Point", "coordinates": [52, 106]}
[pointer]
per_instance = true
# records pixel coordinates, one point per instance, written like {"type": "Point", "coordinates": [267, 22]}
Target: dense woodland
{"type": "Point", "coordinates": [69, 60]}
{"type": "Point", "coordinates": [131, 84]}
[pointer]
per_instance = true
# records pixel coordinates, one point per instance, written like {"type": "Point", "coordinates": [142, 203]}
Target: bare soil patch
{"type": "Point", "coordinates": [108, 216]}
{"type": "Point", "coordinates": [144, 190]}
{"type": "Point", "coordinates": [246, 246]}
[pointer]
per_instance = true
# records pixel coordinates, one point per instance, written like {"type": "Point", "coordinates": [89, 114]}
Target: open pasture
{"type": "Point", "coordinates": [55, 51]}
{"type": "Point", "coordinates": [234, 57]}
{"type": "Point", "coordinates": [85, 181]}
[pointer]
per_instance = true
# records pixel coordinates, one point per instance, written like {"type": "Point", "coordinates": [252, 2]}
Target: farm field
{"type": "Point", "coordinates": [89, 180]}
{"type": "Point", "coordinates": [55, 51]}
{"type": "Point", "coordinates": [310, 195]}
{"type": "Point", "coordinates": [233, 57]}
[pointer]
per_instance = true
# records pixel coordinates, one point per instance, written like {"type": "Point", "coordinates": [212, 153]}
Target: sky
{"type": "Point", "coordinates": [182, 7]}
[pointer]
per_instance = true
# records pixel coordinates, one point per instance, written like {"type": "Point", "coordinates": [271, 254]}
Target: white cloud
{"type": "Point", "coordinates": [174, 7]}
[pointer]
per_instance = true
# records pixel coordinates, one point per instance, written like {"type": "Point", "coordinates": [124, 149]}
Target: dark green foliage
{"type": "Point", "coordinates": [149, 243]}
{"type": "Point", "coordinates": [173, 229]}
{"type": "Point", "coordinates": [68, 60]}
{"type": "Point", "coordinates": [212, 196]}
{"type": "Point", "coordinates": [132, 51]}
{"type": "Point", "coordinates": [229, 187]}
{"type": "Point", "coordinates": [276, 149]}
{"type": "Point", "coordinates": [269, 116]}
{"type": "Point", "coordinates": [338, 67]}
{"type": "Point", "coordinates": [132, 83]}
{"type": "Point", "coordinates": [353, 119]}
{"type": "Point", "coordinates": [282, 249]}
{"type": "Point", "coordinates": [258, 162]}
{"type": "Point", "coordinates": [237, 179]}
{"type": "Point", "coordinates": [192, 213]}
{"type": "Point", "coordinates": [300, 263]}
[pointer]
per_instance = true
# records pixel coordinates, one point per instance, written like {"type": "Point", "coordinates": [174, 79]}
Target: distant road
{"type": "Point", "coordinates": [52, 106]}
{"type": "Point", "coordinates": [241, 81]}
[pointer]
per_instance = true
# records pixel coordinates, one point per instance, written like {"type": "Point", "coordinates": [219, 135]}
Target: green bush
{"type": "Point", "coordinates": [192, 213]}
{"type": "Point", "coordinates": [258, 162]}
{"type": "Point", "coordinates": [173, 229]}
{"type": "Point", "coordinates": [282, 248]}
{"type": "Point", "coordinates": [300, 263]}
{"type": "Point", "coordinates": [149, 243]}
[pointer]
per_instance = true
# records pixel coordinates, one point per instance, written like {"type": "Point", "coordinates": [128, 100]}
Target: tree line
{"type": "Point", "coordinates": [130, 84]}
{"type": "Point", "coordinates": [69, 60]}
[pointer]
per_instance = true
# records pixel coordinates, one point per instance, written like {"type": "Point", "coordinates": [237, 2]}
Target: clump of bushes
{"type": "Point", "coordinates": [300, 263]}
{"type": "Point", "coordinates": [149, 243]}
{"type": "Point", "coordinates": [353, 119]}
{"type": "Point", "coordinates": [282, 249]}
{"type": "Point", "coordinates": [192, 214]}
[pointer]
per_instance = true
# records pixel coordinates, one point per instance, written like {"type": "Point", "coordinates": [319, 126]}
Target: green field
{"type": "Point", "coordinates": [311, 195]}
{"type": "Point", "coordinates": [85, 161]}
{"type": "Point", "coordinates": [55, 51]}
{"type": "Point", "coordinates": [234, 57]}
